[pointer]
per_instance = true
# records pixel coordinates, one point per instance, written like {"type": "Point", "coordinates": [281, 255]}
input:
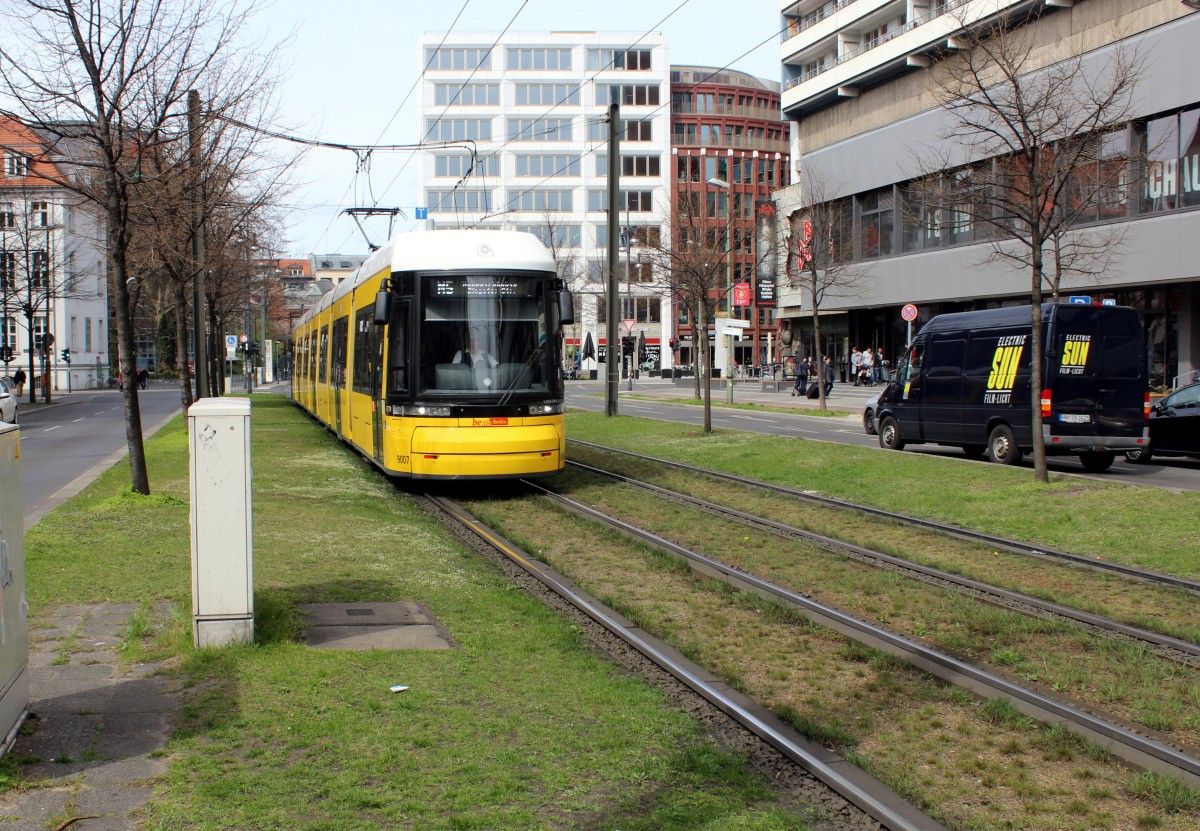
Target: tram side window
{"type": "Point", "coordinates": [323, 354]}
{"type": "Point", "coordinates": [341, 331]}
{"type": "Point", "coordinates": [397, 356]}
{"type": "Point", "coordinates": [366, 351]}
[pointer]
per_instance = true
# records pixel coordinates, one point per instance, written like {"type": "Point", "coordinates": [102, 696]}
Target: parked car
{"type": "Point", "coordinates": [1174, 427]}
{"type": "Point", "coordinates": [869, 414]}
{"type": "Point", "coordinates": [8, 402]}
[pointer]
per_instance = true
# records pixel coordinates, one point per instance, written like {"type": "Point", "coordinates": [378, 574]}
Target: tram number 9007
{"type": "Point", "coordinates": [402, 461]}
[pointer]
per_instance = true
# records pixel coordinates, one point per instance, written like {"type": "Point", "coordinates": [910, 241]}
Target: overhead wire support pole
{"type": "Point", "coordinates": [612, 357]}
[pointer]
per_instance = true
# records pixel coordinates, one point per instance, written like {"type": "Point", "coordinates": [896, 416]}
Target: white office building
{"type": "Point", "coordinates": [526, 114]}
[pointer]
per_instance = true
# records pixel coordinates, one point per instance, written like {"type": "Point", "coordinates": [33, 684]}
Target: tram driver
{"type": "Point", "coordinates": [477, 357]}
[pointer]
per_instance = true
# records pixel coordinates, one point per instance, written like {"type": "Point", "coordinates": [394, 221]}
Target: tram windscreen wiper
{"type": "Point", "coordinates": [526, 369]}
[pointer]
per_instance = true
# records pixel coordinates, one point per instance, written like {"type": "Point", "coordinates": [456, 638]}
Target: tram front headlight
{"type": "Point", "coordinates": [551, 408]}
{"type": "Point", "coordinates": [422, 411]}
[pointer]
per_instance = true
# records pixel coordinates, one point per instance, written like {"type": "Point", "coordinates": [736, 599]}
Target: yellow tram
{"type": "Point", "coordinates": [440, 358]}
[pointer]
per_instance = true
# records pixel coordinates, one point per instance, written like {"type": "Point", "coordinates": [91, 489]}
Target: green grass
{"type": "Point", "coordinates": [275, 735]}
{"type": "Point", "coordinates": [1148, 527]}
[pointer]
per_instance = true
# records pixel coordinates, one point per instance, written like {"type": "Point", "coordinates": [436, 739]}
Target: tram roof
{"type": "Point", "coordinates": [449, 250]}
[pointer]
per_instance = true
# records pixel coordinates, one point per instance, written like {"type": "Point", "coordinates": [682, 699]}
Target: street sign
{"type": "Point", "coordinates": [1080, 299]}
{"type": "Point", "coordinates": [628, 324]}
{"type": "Point", "coordinates": [243, 338]}
{"type": "Point", "coordinates": [733, 322]}
{"type": "Point", "coordinates": [909, 313]}
{"type": "Point", "coordinates": [736, 334]}
{"type": "Point", "coordinates": [422, 213]}
{"type": "Point", "coordinates": [230, 341]}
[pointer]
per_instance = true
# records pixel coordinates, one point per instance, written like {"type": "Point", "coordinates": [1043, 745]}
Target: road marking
{"type": "Point", "coordinates": [55, 427]}
{"type": "Point", "coordinates": [76, 421]}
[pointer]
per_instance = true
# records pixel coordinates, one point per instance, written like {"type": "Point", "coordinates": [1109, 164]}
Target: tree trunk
{"type": "Point", "coordinates": [820, 356]}
{"type": "Point", "coordinates": [181, 340]}
{"type": "Point", "coordinates": [139, 479]}
{"type": "Point", "coordinates": [702, 338]}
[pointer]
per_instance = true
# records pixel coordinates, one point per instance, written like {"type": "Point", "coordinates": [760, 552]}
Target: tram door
{"type": "Point", "coordinates": [375, 345]}
{"type": "Point", "coordinates": [341, 331]}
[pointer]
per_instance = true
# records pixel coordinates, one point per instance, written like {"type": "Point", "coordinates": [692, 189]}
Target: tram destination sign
{"type": "Point", "coordinates": [490, 286]}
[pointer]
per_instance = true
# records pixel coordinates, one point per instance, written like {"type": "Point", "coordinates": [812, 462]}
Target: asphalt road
{"type": "Point", "coordinates": [1183, 474]}
{"type": "Point", "coordinates": [67, 444]}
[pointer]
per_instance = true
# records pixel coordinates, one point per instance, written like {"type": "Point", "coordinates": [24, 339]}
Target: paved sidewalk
{"type": "Point", "coordinates": [96, 726]}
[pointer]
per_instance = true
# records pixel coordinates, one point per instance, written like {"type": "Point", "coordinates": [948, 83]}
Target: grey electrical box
{"type": "Point", "coordinates": [222, 533]}
{"type": "Point", "coordinates": [14, 609]}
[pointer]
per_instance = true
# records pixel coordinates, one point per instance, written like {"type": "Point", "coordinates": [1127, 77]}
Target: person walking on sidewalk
{"type": "Point", "coordinates": [803, 369]}
{"type": "Point", "coordinates": [19, 380]}
{"type": "Point", "coordinates": [828, 376]}
{"type": "Point", "coordinates": [856, 364]}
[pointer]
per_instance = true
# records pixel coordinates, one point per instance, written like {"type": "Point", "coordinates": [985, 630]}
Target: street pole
{"type": "Point", "coordinates": [627, 234]}
{"type": "Point", "coordinates": [611, 366]}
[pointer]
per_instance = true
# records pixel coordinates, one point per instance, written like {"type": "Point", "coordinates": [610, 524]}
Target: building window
{"type": "Point", "coordinates": [630, 130]}
{"type": "Point", "coordinates": [541, 200]}
{"type": "Point", "coordinates": [687, 168]}
{"type": "Point", "coordinates": [39, 214]}
{"type": "Point", "coordinates": [459, 164]}
{"type": "Point", "coordinates": [547, 165]}
{"type": "Point", "coordinates": [8, 218]}
{"type": "Point", "coordinates": [8, 332]}
{"type": "Point", "coordinates": [449, 201]}
{"type": "Point", "coordinates": [39, 329]}
{"type": "Point", "coordinates": [458, 58]}
{"type": "Point", "coordinates": [876, 216]}
{"type": "Point", "coordinates": [467, 95]}
{"type": "Point", "coordinates": [645, 235]}
{"type": "Point", "coordinates": [547, 95]}
{"type": "Point", "coordinates": [539, 59]}
{"type": "Point", "coordinates": [458, 129]}
{"type": "Point", "coordinates": [539, 129]}
{"type": "Point", "coordinates": [39, 270]}
{"type": "Point", "coordinates": [8, 272]}
{"type": "Point", "coordinates": [16, 165]}
{"type": "Point", "coordinates": [631, 165]}
{"type": "Point", "coordinates": [642, 309]}
{"type": "Point", "coordinates": [556, 236]}
{"type": "Point", "coordinates": [87, 334]}
{"type": "Point", "coordinates": [625, 59]}
{"type": "Point", "coordinates": [627, 95]}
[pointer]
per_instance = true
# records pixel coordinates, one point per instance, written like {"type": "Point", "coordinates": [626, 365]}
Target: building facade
{"type": "Point", "coordinates": [865, 122]}
{"type": "Point", "coordinates": [729, 147]}
{"type": "Point", "coordinates": [53, 269]}
{"type": "Point", "coordinates": [524, 118]}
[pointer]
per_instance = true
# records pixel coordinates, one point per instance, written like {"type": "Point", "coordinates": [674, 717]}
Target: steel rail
{"type": "Point", "coordinates": [856, 786]}
{"type": "Point", "coordinates": [1156, 639]}
{"type": "Point", "coordinates": [1135, 749]}
{"type": "Point", "coordinates": [1015, 546]}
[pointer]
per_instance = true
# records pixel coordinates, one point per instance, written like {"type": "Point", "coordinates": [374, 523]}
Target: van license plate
{"type": "Point", "coordinates": [1075, 418]}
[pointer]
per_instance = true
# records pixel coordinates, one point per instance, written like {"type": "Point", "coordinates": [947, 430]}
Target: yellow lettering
{"type": "Point", "coordinates": [994, 378]}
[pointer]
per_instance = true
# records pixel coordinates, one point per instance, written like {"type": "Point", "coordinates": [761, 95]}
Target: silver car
{"type": "Point", "coordinates": [8, 402]}
{"type": "Point", "coordinates": [869, 414]}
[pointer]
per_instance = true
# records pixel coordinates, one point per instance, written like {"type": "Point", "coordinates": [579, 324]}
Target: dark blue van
{"type": "Point", "coordinates": [965, 382]}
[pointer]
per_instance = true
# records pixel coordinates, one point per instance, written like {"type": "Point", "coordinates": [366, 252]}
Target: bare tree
{"type": "Point", "coordinates": [109, 80]}
{"type": "Point", "coordinates": [820, 254]}
{"type": "Point", "coordinates": [693, 263]}
{"type": "Point", "coordinates": [1045, 138]}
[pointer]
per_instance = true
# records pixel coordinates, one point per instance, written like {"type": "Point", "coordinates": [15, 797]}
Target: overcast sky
{"type": "Point", "coordinates": [352, 62]}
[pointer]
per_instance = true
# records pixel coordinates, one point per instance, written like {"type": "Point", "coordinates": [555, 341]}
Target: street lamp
{"type": "Point", "coordinates": [721, 183]}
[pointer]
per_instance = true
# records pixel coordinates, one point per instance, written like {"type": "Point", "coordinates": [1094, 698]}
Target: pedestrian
{"type": "Point", "coordinates": [803, 369]}
{"type": "Point", "coordinates": [19, 380]}
{"type": "Point", "coordinates": [828, 376]}
{"type": "Point", "coordinates": [881, 365]}
{"type": "Point", "coordinates": [856, 364]}
{"type": "Point", "coordinates": [143, 377]}
{"type": "Point", "coordinates": [868, 363]}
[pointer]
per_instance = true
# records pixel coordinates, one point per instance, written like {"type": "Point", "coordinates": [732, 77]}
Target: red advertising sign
{"type": "Point", "coordinates": [741, 294]}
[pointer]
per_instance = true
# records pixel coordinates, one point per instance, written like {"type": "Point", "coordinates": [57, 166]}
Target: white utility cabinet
{"type": "Point", "coordinates": [222, 542]}
{"type": "Point", "coordinates": [14, 609]}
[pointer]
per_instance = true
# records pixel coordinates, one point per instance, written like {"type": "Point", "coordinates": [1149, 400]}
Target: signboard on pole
{"type": "Point", "coordinates": [628, 325]}
{"type": "Point", "coordinates": [231, 347]}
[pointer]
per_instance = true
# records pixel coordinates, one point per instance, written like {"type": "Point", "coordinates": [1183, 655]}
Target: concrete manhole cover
{"type": "Point", "coordinates": [362, 626]}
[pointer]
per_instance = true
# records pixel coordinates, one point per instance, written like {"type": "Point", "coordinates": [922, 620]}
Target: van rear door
{"type": "Point", "coordinates": [1096, 378]}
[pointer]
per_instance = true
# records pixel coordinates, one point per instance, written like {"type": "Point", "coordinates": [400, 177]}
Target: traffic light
{"type": "Point", "coordinates": [672, 342]}
{"type": "Point", "coordinates": [6, 354]}
{"type": "Point", "coordinates": [66, 355]}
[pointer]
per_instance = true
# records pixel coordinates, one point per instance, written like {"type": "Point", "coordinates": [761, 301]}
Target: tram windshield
{"type": "Point", "coordinates": [485, 333]}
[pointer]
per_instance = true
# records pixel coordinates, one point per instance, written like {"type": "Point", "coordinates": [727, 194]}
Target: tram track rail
{"type": "Point", "coordinates": [841, 777]}
{"type": "Point", "coordinates": [1166, 646]}
{"type": "Point", "coordinates": [1002, 543]}
{"type": "Point", "coordinates": [1137, 749]}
